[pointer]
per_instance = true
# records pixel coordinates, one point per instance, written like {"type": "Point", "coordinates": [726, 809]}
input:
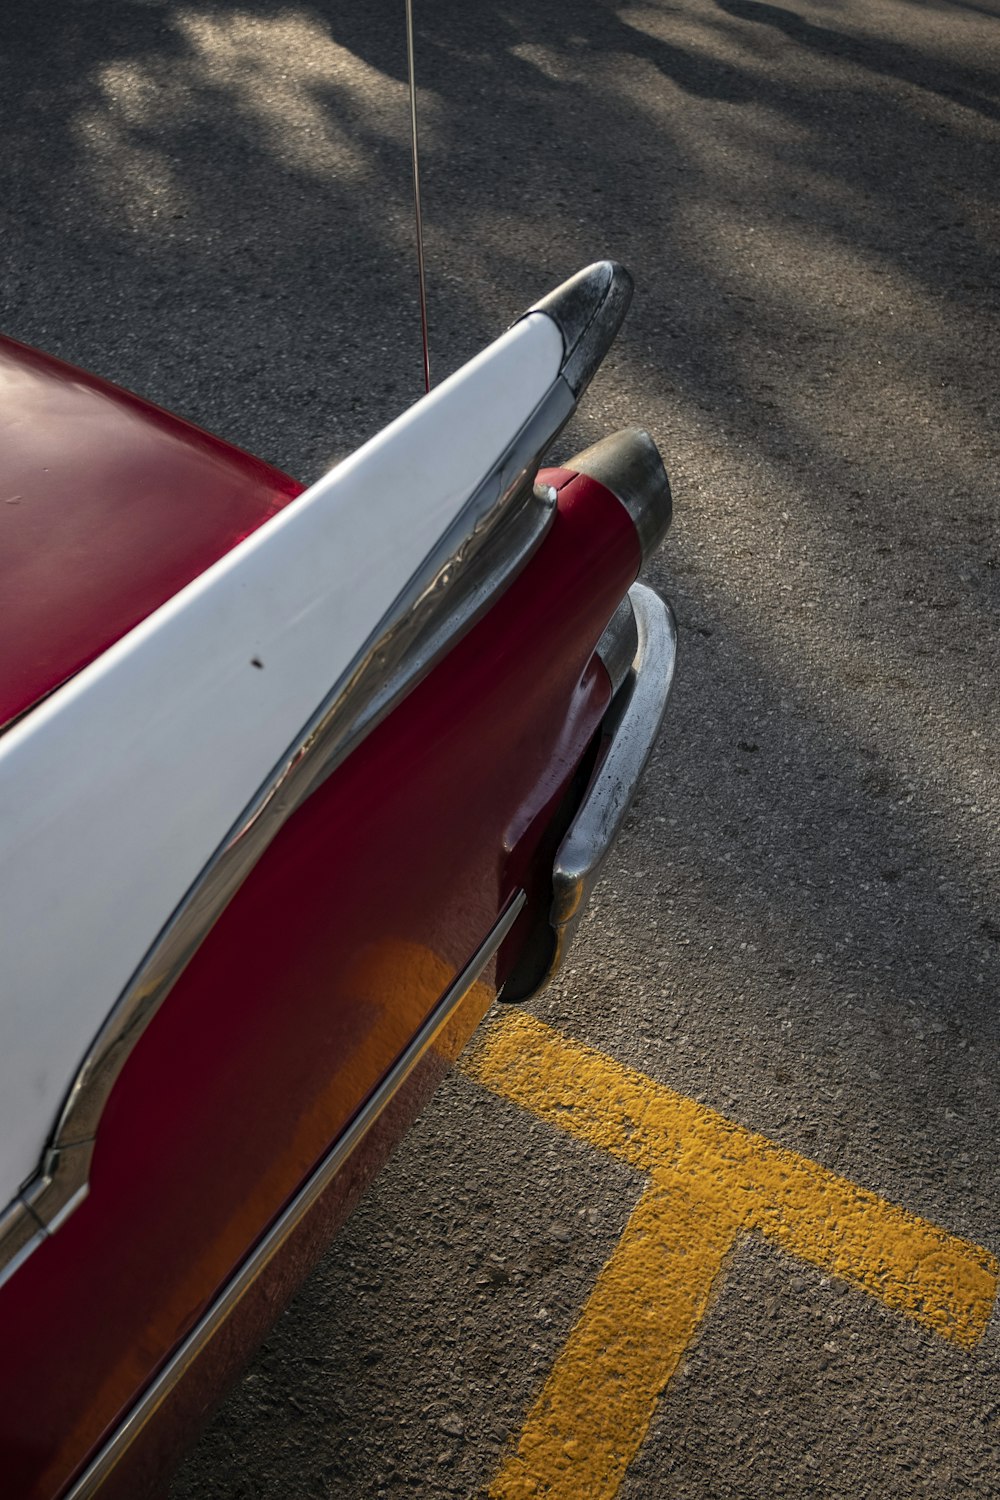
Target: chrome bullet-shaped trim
{"type": "Point", "coordinates": [588, 309]}
{"type": "Point", "coordinates": [628, 463]}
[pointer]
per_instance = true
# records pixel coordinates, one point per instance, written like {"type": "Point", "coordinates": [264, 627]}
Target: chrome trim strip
{"type": "Point", "coordinates": [268, 1246]}
{"type": "Point", "coordinates": [497, 531]}
{"type": "Point", "coordinates": [20, 1233]}
{"type": "Point", "coordinates": [633, 722]}
{"type": "Point", "coordinates": [628, 463]}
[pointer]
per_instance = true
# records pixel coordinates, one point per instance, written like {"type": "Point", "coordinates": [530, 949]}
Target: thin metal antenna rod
{"type": "Point", "coordinates": [416, 193]}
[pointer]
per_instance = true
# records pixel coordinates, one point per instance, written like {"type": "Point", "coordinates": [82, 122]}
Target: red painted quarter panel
{"type": "Point", "coordinates": [179, 1421]}
{"type": "Point", "coordinates": [370, 900]}
{"type": "Point", "coordinates": [108, 507]}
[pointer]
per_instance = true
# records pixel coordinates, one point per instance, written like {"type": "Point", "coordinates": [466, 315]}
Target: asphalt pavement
{"type": "Point", "coordinates": [798, 937]}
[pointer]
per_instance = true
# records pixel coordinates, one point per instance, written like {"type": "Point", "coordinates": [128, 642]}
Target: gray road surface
{"type": "Point", "coordinates": [210, 203]}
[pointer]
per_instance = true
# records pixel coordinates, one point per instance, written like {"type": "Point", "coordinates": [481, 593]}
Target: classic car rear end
{"type": "Point", "coordinates": [293, 784]}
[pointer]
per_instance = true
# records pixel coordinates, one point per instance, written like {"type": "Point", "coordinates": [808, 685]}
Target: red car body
{"type": "Point", "coordinates": [254, 1105]}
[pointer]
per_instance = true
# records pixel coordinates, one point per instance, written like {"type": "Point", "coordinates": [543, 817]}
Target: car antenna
{"type": "Point", "coordinates": [415, 153]}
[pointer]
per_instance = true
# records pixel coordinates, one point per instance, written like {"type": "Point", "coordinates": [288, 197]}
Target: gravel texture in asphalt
{"type": "Point", "coordinates": [210, 203]}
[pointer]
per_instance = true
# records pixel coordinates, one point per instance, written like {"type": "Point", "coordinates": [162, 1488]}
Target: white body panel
{"type": "Point", "coordinates": [117, 790]}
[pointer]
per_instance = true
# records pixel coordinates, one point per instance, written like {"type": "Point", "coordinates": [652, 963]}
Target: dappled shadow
{"type": "Point", "coordinates": [211, 203]}
{"type": "Point", "coordinates": [970, 87]}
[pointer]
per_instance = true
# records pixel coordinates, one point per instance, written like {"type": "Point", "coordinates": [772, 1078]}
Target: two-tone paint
{"type": "Point", "coordinates": [119, 788]}
{"type": "Point", "coordinates": [389, 874]}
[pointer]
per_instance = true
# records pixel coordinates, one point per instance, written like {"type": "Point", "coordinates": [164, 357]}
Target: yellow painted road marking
{"type": "Point", "coordinates": [710, 1181]}
{"type": "Point", "coordinates": [596, 1406]}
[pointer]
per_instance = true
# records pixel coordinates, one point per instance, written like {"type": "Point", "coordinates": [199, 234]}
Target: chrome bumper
{"type": "Point", "coordinates": [630, 729]}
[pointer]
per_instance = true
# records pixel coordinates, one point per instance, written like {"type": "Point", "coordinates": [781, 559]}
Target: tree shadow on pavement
{"type": "Point", "coordinates": [211, 203]}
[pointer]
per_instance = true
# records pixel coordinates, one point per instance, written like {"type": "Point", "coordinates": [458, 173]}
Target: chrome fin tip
{"type": "Point", "coordinates": [588, 310]}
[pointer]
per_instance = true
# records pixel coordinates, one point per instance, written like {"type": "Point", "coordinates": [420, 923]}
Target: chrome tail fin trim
{"type": "Point", "coordinates": [588, 310]}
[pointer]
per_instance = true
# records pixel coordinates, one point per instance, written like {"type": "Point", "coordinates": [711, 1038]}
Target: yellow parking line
{"type": "Point", "coordinates": [597, 1404]}
{"type": "Point", "coordinates": [710, 1181]}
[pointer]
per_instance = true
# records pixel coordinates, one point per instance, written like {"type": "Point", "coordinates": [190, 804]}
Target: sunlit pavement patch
{"type": "Point", "coordinates": [710, 1182]}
